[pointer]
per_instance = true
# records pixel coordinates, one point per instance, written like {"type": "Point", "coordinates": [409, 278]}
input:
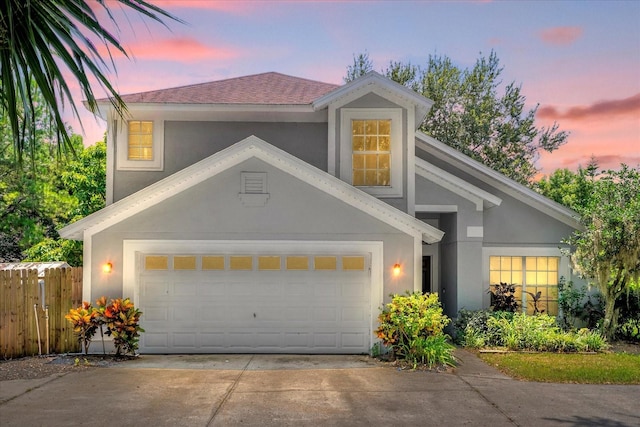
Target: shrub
{"type": "Point", "coordinates": [120, 317]}
{"type": "Point", "coordinates": [412, 327]}
{"type": "Point", "coordinates": [503, 297]}
{"type": "Point", "coordinates": [518, 331]}
{"type": "Point", "coordinates": [85, 320]}
{"type": "Point", "coordinates": [629, 330]}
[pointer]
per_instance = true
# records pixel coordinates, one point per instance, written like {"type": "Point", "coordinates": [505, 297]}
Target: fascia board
{"type": "Point", "coordinates": [498, 181]}
{"type": "Point", "coordinates": [231, 156]}
{"type": "Point", "coordinates": [380, 85]}
{"type": "Point", "coordinates": [481, 198]}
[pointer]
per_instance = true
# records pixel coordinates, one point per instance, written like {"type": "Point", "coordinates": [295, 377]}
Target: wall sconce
{"type": "Point", "coordinates": [396, 269]}
{"type": "Point", "coordinates": [107, 267]}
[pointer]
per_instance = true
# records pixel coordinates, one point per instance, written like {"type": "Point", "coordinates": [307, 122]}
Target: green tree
{"type": "Point", "coordinates": [84, 179]}
{"type": "Point", "coordinates": [475, 113]}
{"type": "Point", "coordinates": [607, 251]}
{"type": "Point", "coordinates": [571, 189]}
{"type": "Point", "coordinates": [41, 39]}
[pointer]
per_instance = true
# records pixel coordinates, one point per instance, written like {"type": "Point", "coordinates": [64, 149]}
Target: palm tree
{"type": "Point", "coordinates": [41, 38]}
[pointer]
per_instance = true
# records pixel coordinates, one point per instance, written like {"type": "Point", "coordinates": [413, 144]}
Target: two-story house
{"type": "Point", "coordinates": [270, 213]}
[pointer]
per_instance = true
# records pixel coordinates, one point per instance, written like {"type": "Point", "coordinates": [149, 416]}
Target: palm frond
{"type": "Point", "coordinates": [48, 42]}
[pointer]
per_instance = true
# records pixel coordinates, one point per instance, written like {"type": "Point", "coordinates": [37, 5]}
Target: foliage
{"type": "Point", "coordinates": [629, 330]}
{"type": "Point", "coordinates": [571, 189]}
{"type": "Point", "coordinates": [412, 326]}
{"type": "Point", "coordinates": [86, 321]}
{"type": "Point", "coordinates": [607, 250]}
{"type": "Point", "coordinates": [601, 368]}
{"type": "Point", "coordinates": [119, 316]}
{"type": "Point", "coordinates": [503, 297]}
{"type": "Point", "coordinates": [519, 331]}
{"type": "Point", "coordinates": [42, 196]}
{"type": "Point", "coordinates": [577, 307]}
{"type": "Point", "coordinates": [122, 320]}
{"type": "Point", "coordinates": [44, 46]}
{"type": "Point", "coordinates": [474, 112]}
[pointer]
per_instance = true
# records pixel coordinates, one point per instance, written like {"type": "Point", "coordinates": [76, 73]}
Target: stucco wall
{"type": "Point", "coordinates": [212, 210]}
{"type": "Point", "coordinates": [186, 143]}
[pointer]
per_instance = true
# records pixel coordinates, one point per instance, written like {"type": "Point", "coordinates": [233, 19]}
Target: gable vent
{"type": "Point", "coordinates": [253, 187]}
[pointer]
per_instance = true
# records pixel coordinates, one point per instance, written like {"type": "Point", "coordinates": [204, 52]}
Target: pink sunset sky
{"type": "Point", "coordinates": [578, 60]}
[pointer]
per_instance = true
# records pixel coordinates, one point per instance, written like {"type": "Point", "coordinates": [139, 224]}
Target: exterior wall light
{"type": "Point", "coordinates": [396, 269]}
{"type": "Point", "coordinates": [107, 267]}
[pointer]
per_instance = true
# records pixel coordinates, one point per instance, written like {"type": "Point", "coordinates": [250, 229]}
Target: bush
{"type": "Point", "coordinates": [412, 327]}
{"type": "Point", "coordinates": [519, 331]}
{"type": "Point", "coordinates": [120, 317]}
{"type": "Point", "coordinates": [629, 330]}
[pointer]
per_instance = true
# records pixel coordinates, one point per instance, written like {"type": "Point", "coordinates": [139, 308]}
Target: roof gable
{"type": "Point", "coordinates": [497, 180]}
{"type": "Point", "coordinates": [380, 85]}
{"type": "Point", "coordinates": [251, 147]}
{"type": "Point", "coordinates": [266, 88]}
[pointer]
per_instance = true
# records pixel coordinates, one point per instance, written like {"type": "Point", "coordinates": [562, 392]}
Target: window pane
{"type": "Point", "coordinates": [552, 278]}
{"type": "Point", "coordinates": [184, 263]}
{"type": "Point", "coordinates": [160, 262]}
{"type": "Point", "coordinates": [542, 263]}
{"type": "Point", "coordinates": [268, 263]}
{"type": "Point", "coordinates": [531, 278]}
{"type": "Point", "coordinates": [358, 161]}
{"type": "Point", "coordinates": [213, 263]}
{"type": "Point", "coordinates": [553, 263]}
{"type": "Point", "coordinates": [371, 127]}
{"type": "Point", "coordinates": [505, 263]}
{"type": "Point", "coordinates": [494, 263]}
{"type": "Point", "coordinates": [384, 143]}
{"type": "Point", "coordinates": [146, 127]}
{"type": "Point", "coordinates": [353, 263]}
{"type": "Point", "coordinates": [371, 161]}
{"type": "Point", "coordinates": [384, 178]}
{"type": "Point", "coordinates": [358, 143]}
{"type": "Point", "coordinates": [371, 143]}
{"type": "Point", "coordinates": [516, 277]}
{"type": "Point", "coordinates": [357, 127]}
{"type": "Point", "coordinates": [241, 263]}
{"type": "Point", "coordinates": [358, 178]}
{"type": "Point", "coordinates": [325, 262]}
{"type": "Point", "coordinates": [505, 276]}
{"type": "Point", "coordinates": [494, 277]}
{"type": "Point", "coordinates": [134, 126]}
{"type": "Point", "coordinates": [371, 177]}
{"type": "Point", "coordinates": [516, 263]}
{"type": "Point", "coordinates": [531, 263]}
{"type": "Point", "coordinates": [383, 161]}
{"type": "Point", "coordinates": [297, 263]}
{"type": "Point", "coordinates": [541, 278]}
{"type": "Point", "coordinates": [384, 127]}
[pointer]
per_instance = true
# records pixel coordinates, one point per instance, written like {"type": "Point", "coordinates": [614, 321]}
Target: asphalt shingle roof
{"type": "Point", "coordinates": [266, 88]}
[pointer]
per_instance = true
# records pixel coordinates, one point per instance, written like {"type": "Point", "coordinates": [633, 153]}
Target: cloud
{"type": "Point", "coordinates": [597, 110]}
{"type": "Point", "coordinates": [219, 5]}
{"type": "Point", "coordinates": [561, 35]}
{"type": "Point", "coordinates": [179, 49]}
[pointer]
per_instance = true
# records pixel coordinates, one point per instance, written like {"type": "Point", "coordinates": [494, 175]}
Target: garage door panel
{"type": "Point", "coordinates": [255, 311]}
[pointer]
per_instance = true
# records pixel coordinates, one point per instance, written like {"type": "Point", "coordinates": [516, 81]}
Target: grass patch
{"type": "Point", "coordinates": [602, 368]}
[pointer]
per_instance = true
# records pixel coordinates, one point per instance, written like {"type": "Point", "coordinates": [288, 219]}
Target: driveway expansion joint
{"type": "Point", "coordinates": [227, 395]}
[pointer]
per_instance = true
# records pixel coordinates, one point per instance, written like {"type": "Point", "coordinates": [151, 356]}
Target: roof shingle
{"type": "Point", "coordinates": [266, 88]}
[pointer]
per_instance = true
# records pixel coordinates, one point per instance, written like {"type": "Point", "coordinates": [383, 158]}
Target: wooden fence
{"type": "Point", "coordinates": [20, 292]}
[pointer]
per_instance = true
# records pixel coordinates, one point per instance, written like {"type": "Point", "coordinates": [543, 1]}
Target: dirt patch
{"type": "Point", "coordinates": [625, 347]}
{"type": "Point", "coordinates": [29, 368]}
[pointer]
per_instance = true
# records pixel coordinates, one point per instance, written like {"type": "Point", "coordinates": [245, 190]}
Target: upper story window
{"type": "Point", "coordinates": [371, 150]}
{"type": "Point", "coordinates": [371, 158]}
{"type": "Point", "coordinates": [140, 145]}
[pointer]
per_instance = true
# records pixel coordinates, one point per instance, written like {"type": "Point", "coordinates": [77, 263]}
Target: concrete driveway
{"type": "Point", "coordinates": [281, 390]}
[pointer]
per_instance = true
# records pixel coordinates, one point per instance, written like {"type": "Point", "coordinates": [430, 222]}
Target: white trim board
{"type": "Point", "coordinates": [251, 147]}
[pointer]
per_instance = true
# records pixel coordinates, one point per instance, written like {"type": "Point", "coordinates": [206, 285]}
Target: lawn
{"type": "Point", "coordinates": [601, 368]}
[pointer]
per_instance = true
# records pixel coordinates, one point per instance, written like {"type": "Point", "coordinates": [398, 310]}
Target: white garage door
{"type": "Point", "coordinates": [258, 303]}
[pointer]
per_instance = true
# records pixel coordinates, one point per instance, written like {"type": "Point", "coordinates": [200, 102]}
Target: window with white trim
{"type": "Point", "coordinates": [530, 274]}
{"type": "Point", "coordinates": [140, 141]}
{"type": "Point", "coordinates": [140, 145]}
{"type": "Point", "coordinates": [371, 150]}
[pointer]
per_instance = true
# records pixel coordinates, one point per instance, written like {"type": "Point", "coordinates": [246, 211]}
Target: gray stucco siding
{"type": "Point", "coordinates": [213, 211]}
{"type": "Point", "coordinates": [186, 143]}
